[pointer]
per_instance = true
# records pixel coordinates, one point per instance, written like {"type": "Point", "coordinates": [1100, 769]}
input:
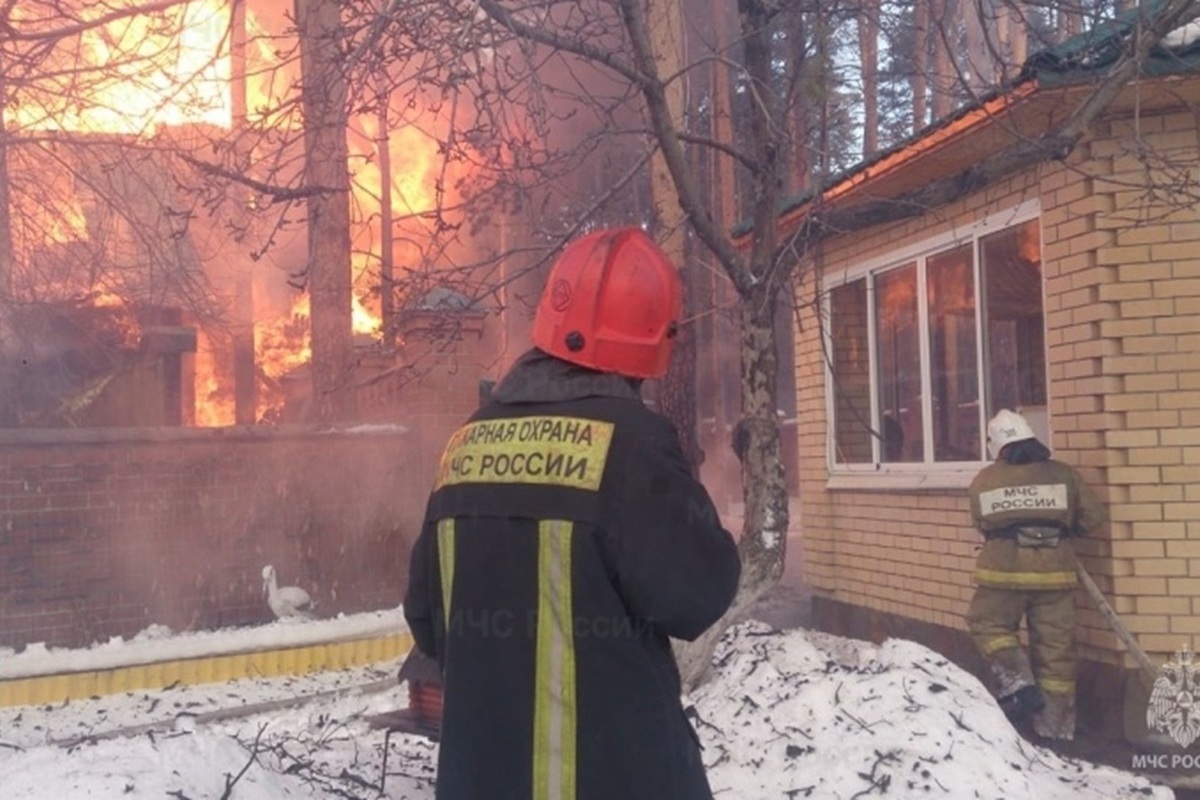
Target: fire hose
{"type": "Point", "coordinates": [1149, 671]}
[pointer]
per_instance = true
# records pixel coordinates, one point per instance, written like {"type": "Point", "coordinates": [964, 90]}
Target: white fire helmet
{"type": "Point", "coordinates": [1005, 428]}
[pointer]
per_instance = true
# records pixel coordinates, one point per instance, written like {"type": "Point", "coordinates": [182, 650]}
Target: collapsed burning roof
{"type": "Point", "coordinates": [80, 362]}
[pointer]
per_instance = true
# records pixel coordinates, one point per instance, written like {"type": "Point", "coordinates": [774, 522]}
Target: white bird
{"type": "Point", "coordinates": [285, 601]}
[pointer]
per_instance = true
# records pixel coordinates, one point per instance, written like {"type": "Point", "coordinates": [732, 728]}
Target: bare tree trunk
{"type": "Point", "coordinates": [764, 530]}
{"type": "Point", "coordinates": [919, 81]}
{"type": "Point", "coordinates": [7, 257]}
{"type": "Point", "coordinates": [665, 24]}
{"type": "Point", "coordinates": [758, 446]}
{"type": "Point", "coordinates": [245, 376]}
{"type": "Point", "coordinates": [823, 33]}
{"type": "Point", "coordinates": [387, 276]}
{"type": "Point", "coordinates": [980, 65]}
{"type": "Point", "coordinates": [1019, 35]}
{"type": "Point", "coordinates": [1011, 44]}
{"type": "Point", "coordinates": [326, 166]}
{"type": "Point", "coordinates": [725, 181]}
{"type": "Point", "coordinates": [1070, 21]}
{"type": "Point", "coordinates": [943, 63]}
{"type": "Point", "coordinates": [868, 48]}
{"type": "Point", "coordinates": [722, 198]}
{"type": "Point", "coordinates": [757, 441]}
{"type": "Point", "coordinates": [1002, 37]}
{"type": "Point", "coordinates": [801, 168]}
{"type": "Point", "coordinates": [677, 399]}
{"type": "Point", "coordinates": [8, 405]}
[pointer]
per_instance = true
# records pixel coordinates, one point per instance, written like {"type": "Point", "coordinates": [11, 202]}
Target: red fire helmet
{"type": "Point", "coordinates": [612, 304]}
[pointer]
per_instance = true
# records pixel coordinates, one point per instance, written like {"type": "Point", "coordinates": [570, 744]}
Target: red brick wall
{"type": "Point", "coordinates": [103, 533]}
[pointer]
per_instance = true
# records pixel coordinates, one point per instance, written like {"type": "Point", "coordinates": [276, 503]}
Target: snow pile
{"type": "Point", "coordinates": [196, 741]}
{"type": "Point", "coordinates": [191, 766]}
{"type": "Point", "coordinates": [801, 714]}
{"type": "Point", "coordinates": [787, 715]}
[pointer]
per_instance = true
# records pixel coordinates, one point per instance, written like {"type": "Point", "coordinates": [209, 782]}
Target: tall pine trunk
{"type": "Point", "coordinates": [942, 25]}
{"type": "Point", "coordinates": [8, 413]}
{"type": "Point", "coordinates": [245, 373]}
{"type": "Point", "coordinates": [980, 24]}
{"type": "Point", "coordinates": [919, 80]}
{"type": "Point", "coordinates": [677, 399]}
{"type": "Point", "coordinates": [323, 100]}
{"type": "Point", "coordinates": [7, 257]}
{"type": "Point", "coordinates": [868, 48]}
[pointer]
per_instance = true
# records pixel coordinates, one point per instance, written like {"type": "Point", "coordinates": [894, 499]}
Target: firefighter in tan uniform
{"type": "Point", "coordinates": [1028, 506]}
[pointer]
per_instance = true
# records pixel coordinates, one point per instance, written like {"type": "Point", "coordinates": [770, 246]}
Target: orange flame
{"type": "Point", "coordinates": [173, 68]}
{"type": "Point", "coordinates": [65, 222]}
{"type": "Point", "coordinates": [362, 320]}
{"type": "Point", "coordinates": [284, 343]}
{"type": "Point", "coordinates": [214, 398]}
{"type": "Point", "coordinates": [134, 74]}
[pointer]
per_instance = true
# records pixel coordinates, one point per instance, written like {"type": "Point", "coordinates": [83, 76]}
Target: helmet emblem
{"type": "Point", "coordinates": [560, 295]}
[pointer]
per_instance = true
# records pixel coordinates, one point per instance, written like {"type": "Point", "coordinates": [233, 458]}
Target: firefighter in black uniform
{"type": "Point", "coordinates": [1028, 505]}
{"type": "Point", "coordinates": [565, 540]}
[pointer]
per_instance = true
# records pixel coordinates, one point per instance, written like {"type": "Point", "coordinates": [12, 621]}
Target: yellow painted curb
{"type": "Point", "coordinates": [214, 669]}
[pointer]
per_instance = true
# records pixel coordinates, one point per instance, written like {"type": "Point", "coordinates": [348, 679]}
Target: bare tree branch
{"type": "Point", "coordinates": [256, 747]}
{"type": "Point", "coordinates": [690, 198]}
{"type": "Point", "coordinates": [547, 37]}
{"type": "Point", "coordinates": [8, 33]}
{"type": "Point", "coordinates": [279, 193]}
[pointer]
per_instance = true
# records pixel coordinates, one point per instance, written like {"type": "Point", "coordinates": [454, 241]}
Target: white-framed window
{"type": "Point", "coordinates": [924, 345]}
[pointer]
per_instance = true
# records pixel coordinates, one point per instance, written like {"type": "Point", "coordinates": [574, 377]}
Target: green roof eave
{"type": "Point", "coordinates": [1088, 55]}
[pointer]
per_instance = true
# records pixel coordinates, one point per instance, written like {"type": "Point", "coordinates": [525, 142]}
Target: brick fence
{"type": "Point", "coordinates": [105, 532]}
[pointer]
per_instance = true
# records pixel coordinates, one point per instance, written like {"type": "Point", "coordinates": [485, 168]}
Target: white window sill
{"type": "Point", "coordinates": [902, 480]}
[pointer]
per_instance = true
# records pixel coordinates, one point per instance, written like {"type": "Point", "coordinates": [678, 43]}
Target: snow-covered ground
{"type": "Point", "coordinates": [791, 714]}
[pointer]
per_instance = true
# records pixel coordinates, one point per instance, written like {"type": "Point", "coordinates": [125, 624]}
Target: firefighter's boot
{"type": "Point", "coordinates": [1011, 669]}
{"type": "Point", "coordinates": [1022, 703]}
{"type": "Point", "coordinates": [1017, 694]}
{"type": "Point", "coordinates": [1057, 719]}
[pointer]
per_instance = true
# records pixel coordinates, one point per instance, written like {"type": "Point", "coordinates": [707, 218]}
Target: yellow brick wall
{"type": "Point", "coordinates": [903, 552]}
{"type": "Point", "coordinates": [1123, 333]}
{"type": "Point", "coordinates": [1148, 358]}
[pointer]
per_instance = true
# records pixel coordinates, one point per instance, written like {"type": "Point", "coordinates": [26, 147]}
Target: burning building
{"type": "Point", "coordinates": [94, 332]}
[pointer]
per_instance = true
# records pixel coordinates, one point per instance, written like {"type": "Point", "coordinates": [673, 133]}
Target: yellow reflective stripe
{"type": "Point", "coordinates": [445, 534]}
{"type": "Point", "coordinates": [554, 709]}
{"type": "Point", "coordinates": [1056, 685]}
{"type": "Point", "coordinates": [998, 643]}
{"type": "Point", "coordinates": [1055, 579]}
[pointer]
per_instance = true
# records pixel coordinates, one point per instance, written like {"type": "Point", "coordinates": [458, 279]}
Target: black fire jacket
{"type": "Point", "coordinates": [564, 542]}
